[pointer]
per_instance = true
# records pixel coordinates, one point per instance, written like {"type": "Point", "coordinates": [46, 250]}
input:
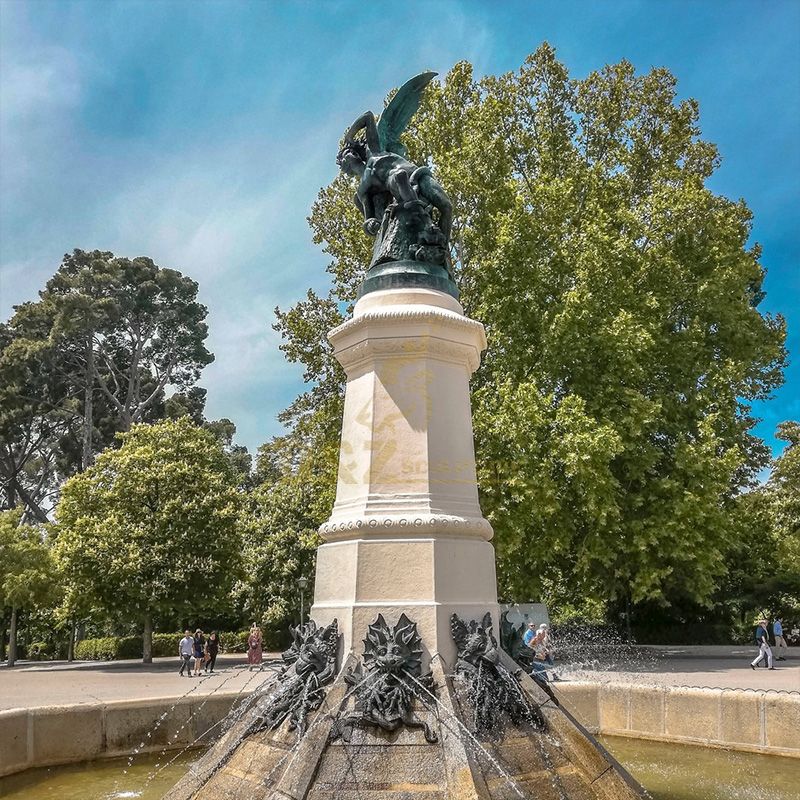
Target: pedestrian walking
{"type": "Point", "coordinates": [212, 648]}
{"type": "Point", "coordinates": [764, 650]}
{"type": "Point", "coordinates": [254, 653]}
{"type": "Point", "coordinates": [185, 652]}
{"type": "Point", "coordinates": [780, 642]}
{"type": "Point", "coordinates": [199, 650]}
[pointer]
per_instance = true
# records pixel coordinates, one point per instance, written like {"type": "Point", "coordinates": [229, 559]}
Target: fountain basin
{"type": "Point", "coordinates": [672, 771]}
{"type": "Point", "coordinates": [668, 771]}
{"type": "Point", "coordinates": [51, 735]}
{"type": "Point", "coordinates": [148, 778]}
{"type": "Point", "coordinates": [737, 719]}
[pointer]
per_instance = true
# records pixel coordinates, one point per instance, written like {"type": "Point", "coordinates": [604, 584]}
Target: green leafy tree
{"type": "Point", "coordinates": [191, 403]}
{"type": "Point", "coordinates": [91, 357]}
{"type": "Point", "coordinates": [620, 297]}
{"type": "Point", "coordinates": [784, 489]}
{"type": "Point", "coordinates": [28, 575]}
{"type": "Point", "coordinates": [763, 562]}
{"type": "Point", "coordinates": [152, 528]}
{"type": "Point", "coordinates": [38, 413]}
{"type": "Point", "coordinates": [240, 460]}
{"type": "Point", "coordinates": [296, 477]}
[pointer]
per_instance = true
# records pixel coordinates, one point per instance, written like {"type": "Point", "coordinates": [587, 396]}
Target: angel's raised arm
{"type": "Point", "coordinates": [365, 122]}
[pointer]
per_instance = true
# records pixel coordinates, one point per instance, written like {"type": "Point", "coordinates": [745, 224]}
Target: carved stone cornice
{"type": "Point", "coordinates": [402, 315]}
{"type": "Point", "coordinates": [388, 347]}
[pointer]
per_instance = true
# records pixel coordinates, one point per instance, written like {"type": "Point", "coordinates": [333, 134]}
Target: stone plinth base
{"type": "Point", "coordinates": [428, 578]}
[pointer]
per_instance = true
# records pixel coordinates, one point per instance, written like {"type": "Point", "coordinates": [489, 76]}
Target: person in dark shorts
{"type": "Point", "coordinates": [199, 650]}
{"type": "Point", "coordinates": [212, 648]}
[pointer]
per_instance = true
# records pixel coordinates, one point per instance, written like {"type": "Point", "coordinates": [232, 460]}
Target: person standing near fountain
{"type": "Point", "coordinates": [199, 650]}
{"type": "Point", "coordinates": [254, 652]}
{"type": "Point", "coordinates": [212, 649]}
{"type": "Point", "coordinates": [185, 651]}
{"type": "Point", "coordinates": [763, 645]}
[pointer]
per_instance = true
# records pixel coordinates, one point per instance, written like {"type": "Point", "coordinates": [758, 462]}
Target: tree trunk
{"type": "Point", "coordinates": [147, 640]}
{"type": "Point", "coordinates": [71, 643]}
{"type": "Point", "coordinates": [628, 632]}
{"type": "Point", "coordinates": [30, 504]}
{"type": "Point", "coordinates": [12, 639]}
{"type": "Point", "coordinates": [88, 411]}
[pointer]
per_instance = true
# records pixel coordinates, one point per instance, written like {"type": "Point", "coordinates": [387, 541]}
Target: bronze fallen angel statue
{"type": "Point", "coordinates": [396, 196]}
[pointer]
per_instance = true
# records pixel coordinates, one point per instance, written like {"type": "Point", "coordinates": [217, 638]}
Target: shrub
{"type": "Point", "coordinates": [272, 639]}
{"type": "Point", "coordinates": [103, 649]}
{"type": "Point", "coordinates": [40, 651]}
{"type": "Point", "coordinates": [110, 648]}
{"type": "Point", "coordinates": [166, 644]}
{"type": "Point", "coordinates": [234, 641]}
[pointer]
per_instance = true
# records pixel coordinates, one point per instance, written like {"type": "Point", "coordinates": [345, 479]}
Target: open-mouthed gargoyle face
{"type": "Point", "coordinates": [313, 649]}
{"type": "Point", "coordinates": [475, 641]}
{"type": "Point", "coordinates": [393, 650]}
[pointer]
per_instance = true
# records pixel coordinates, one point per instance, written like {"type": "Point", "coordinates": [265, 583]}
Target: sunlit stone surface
{"type": "Point", "coordinates": [406, 532]}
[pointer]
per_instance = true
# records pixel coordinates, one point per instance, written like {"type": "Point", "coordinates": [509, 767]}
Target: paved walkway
{"type": "Point", "coordinates": [726, 667]}
{"type": "Point", "coordinates": [30, 685]}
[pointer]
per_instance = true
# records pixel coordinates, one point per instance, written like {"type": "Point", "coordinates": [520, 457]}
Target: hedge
{"type": "Point", "coordinates": [111, 648]}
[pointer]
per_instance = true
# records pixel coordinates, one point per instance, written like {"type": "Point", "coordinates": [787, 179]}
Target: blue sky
{"type": "Point", "coordinates": [199, 133]}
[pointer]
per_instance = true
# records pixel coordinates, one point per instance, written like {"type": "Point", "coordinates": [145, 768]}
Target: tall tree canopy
{"type": "Point", "coordinates": [783, 492]}
{"type": "Point", "coordinates": [153, 528]}
{"type": "Point", "coordinates": [91, 357]}
{"type": "Point", "coordinates": [620, 297]}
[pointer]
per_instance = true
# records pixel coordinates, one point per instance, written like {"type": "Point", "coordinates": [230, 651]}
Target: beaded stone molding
{"type": "Point", "coordinates": [420, 524]}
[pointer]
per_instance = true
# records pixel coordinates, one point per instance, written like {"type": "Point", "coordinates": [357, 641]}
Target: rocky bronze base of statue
{"type": "Point", "coordinates": [405, 208]}
{"type": "Point", "coordinates": [408, 275]}
{"type": "Point", "coordinates": [386, 728]}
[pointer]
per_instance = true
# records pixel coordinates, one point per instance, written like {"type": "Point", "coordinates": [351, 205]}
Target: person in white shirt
{"type": "Point", "coordinates": [186, 651]}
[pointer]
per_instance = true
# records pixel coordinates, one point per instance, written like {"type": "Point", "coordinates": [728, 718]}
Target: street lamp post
{"type": "Point", "coordinates": [302, 582]}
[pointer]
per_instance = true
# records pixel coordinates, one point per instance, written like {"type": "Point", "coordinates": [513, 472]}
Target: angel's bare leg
{"type": "Point", "coordinates": [399, 184]}
{"type": "Point", "coordinates": [432, 190]}
{"type": "Point", "coordinates": [367, 205]}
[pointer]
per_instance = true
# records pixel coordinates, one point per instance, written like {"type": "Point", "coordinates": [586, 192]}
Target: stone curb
{"type": "Point", "coordinates": [736, 719]}
{"type": "Point", "coordinates": [51, 735]}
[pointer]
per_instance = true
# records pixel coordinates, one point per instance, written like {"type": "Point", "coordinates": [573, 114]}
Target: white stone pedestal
{"type": "Point", "coordinates": [406, 532]}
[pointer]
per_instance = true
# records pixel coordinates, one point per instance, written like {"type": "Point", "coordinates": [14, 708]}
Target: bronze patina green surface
{"type": "Point", "coordinates": [406, 275]}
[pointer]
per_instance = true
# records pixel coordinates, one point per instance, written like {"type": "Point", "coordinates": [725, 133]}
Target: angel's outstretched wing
{"type": "Point", "coordinates": [398, 113]}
